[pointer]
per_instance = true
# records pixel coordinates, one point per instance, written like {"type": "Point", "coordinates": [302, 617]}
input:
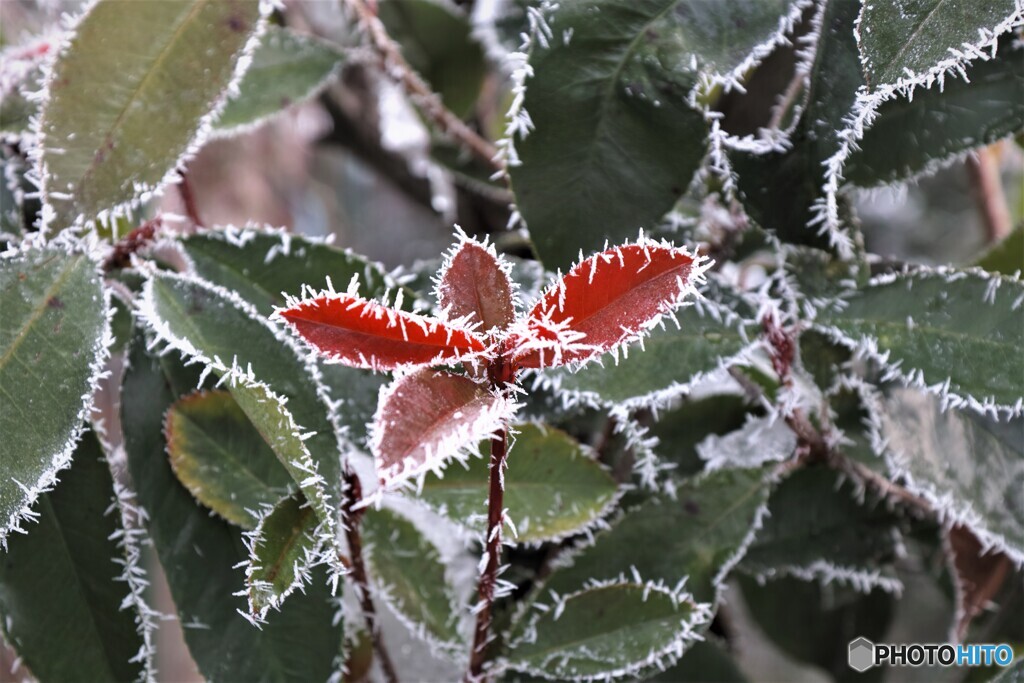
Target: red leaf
{"type": "Point", "coordinates": [366, 334]}
{"type": "Point", "coordinates": [612, 298]}
{"type": "Point", "coordinates": [474, 287]}
{"type": "Point", "coordinates": [427, 418]}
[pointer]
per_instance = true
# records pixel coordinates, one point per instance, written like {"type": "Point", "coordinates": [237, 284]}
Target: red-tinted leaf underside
{"type": "Point", "coordinates": [608, 299]}
{"type": "Point", "coordinates": [473, 286]}
{"type": "Point", "coordinates": [428, 417]}
{"type": "Point", "coordinates": [365, 334]}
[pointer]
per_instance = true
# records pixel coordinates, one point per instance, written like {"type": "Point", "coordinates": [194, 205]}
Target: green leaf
{"type": "Point", "coordinates": [780, 188]}
{"type": "Point", "coordinates": [552, 487]}
{"type": "Point", "coordinates": [287, 68]}
{"type": "Point", "coordinates": [198, 552]}
{"type": "Point", "coordinates": [1007, 257]}
{"type": "Point", "coordinates": [970, 467]}
{"type": "Point", "coordinates": [128, 94]}
{"type": "Point", "coordinates": [62, 584]}
{"type": "Point", "coordinates": [961, 115]}
{"type": "Point", "coordinates": [23, 74]}
{"type": "Point", "coordinates": [814, 623]}
{"type": "Point", "coordinates": [705, 661]}
{"type": "Point", "coordinates": [276, 425]}
{"type": "Point", "coordinates": [411, 574]}
{"type": "Point", "coordinates": [604, 632]}
{"type": "Point", "coordinates": [262, 266]}
{"type": "Point", "coordinates": [934, 326]}
{"type": "Point", "coordinates": [895, 38]}
{"type": "Point", "coordinates": [438, 44]}
{"type": "Point", "coordinates": [698, 535]}
{"type": "Point", "coordinates": [221, 458]}
{"type": "Point", "coordinates": [207, 323]}
{"type": "Point", "coordinates": [680, 429]}
{"type": "Point", "coordinates": [710, 332]}
{"type": "Point", "coordinates": [283, 544]}
{"type": "Point", "coordinates": [53, 345]}
{"type": "Point", "coordinates": [615, 143]}
{"type": "Point", "coordinates": [815, 528]}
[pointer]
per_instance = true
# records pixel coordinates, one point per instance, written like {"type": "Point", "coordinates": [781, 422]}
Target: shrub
{"type": "Point", "coordinates": [660, 386]}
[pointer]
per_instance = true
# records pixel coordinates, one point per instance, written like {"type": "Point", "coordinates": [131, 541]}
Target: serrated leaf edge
{"type": "Point", "coordinates": [97, 371]}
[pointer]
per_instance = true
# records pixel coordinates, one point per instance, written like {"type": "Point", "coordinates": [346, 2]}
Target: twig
{"type": "Point", "coordinates": [120, 257]}
{"type": "Point", "coordinates": [812, 444]}
{"type": "Point", "coordinates": [489, 578]}
{"type": "Point", "coordinates": [353, 518]}
{"type": "Point", "coordinates": [983, 169]}
{"type": "Point", "coordinates": [417, 88]}
{"type": "Point", "coordinates": [188, 198]}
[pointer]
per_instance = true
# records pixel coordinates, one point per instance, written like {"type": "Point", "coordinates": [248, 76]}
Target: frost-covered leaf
{"type": "Point", "coordinates": [263, 265]}
{"type": "Point", "coordinates": [68, 611]}
{"type": "Point", "coordinates": [716, 328]}
{"type": "Point", "coordinates": [1007, 257]}
{"type": "Point", "coordinates": [816, 529]}
{"type": "Point", "coordinates": [475, 287]}
{"type": "Point", "coordinates": [956, 332]}
{"type": "Point", "coordinates": [698, 535]}
{"type": "Point", "coordinates": [969, 466]}
{"type": "Point", "coordinates": [53, 343]}
{"type": "Point", "coordinates": [910, 136]}
{"type": "Point", "coordinates": [815, 624]}
{"type": "Point", "coordinates": [356, 392]}
{"type": "Point", "coordinates": [221, 458]}
{"type": "Point", "coordinates": [216, 328]}
{"type": "Point", "coordinates": [610, 299]}
{"type": "Point", "coordinates": [427, 418]}
{"type": "Point", "coordinates": [129, 92]}
{"type": "Point", "coordinates": [605, 632]}
{"type": "Point", "coordinates": [780, 187]}
{"type": "Point", "coordinates": [614, 142]}
{"type": "Point", "coordinates": [287, 68]}
{"type": "Point", "coordinates": [680, 429]}
{"type": "Point", "coordinates": [759, 440]}
{"type": "Point", "coordinates": [409, 571]}
{"type": "Point", "coordinates": [283, 546]}
{"type": "Point", "coordinates": [21, 73]}
{"type": "Point", "coordinates": [199, 552]}
{"type": "Point", "coordinates": [365, 334]}
{"type": "Point", "coordinates": [553, 488]}
{"type": "Point", "coordinates": [437, 42]}
{"type": "Point", "coordinates": [900, 39]}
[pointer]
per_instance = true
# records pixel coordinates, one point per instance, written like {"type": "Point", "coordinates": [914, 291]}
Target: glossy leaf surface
{"type": "Point", "coordinates": [474, 287]}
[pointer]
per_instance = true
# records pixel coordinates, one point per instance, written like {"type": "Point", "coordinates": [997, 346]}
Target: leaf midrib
{"type": "Point", "coordinates": [910, 40]}
{"type": "Point", "coordinates": [37, 313]}
{"type": "Point", "coordinates": [95, 627]}
{"type": "Point", "coordinates": [157, 62]}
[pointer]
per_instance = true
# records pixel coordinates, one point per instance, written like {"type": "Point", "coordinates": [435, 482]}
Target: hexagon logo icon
{"type": "Point", "coordinates": [862, 654]}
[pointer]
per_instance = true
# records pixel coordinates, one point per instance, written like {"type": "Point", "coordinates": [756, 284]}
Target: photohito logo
{"type": "Point", "coordinates": [864, 654]}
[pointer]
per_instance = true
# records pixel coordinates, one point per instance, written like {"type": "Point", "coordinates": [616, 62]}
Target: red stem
{"type": "Point", "coordinates": [353, 518]}
{"type": "Point", "coordinates": [489, 578]}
